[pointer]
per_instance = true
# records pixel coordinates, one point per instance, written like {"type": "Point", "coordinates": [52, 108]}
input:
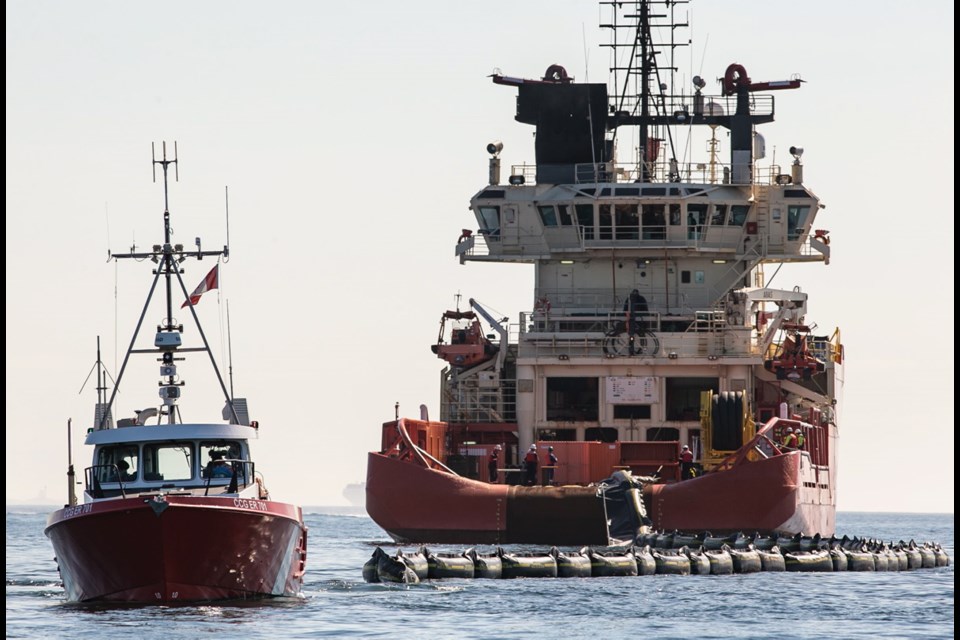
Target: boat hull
{"type": "Point", "coordinates": [415, 504]}
{"type": "Point", "coordinates": [778, 494]}
{"type": "Point", "coordinates": [178, 549]}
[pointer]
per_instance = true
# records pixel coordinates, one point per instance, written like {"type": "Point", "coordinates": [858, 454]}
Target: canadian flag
{"type": "Point", "coordinates": [211, 281]}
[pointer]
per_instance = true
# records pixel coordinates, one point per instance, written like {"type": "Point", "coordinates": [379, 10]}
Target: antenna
{"type": "Point", "coordinates": [229, 351]}
{"type": "Point", "coordinates": [226, 202]}
{"type": "Point", "coordinates": [71, 474]}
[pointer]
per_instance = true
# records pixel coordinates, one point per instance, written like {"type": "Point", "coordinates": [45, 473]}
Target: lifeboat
{"type": "Point", "coordinates": [793, 360]}
{"type": "Point", "coordinates": [466, 344]}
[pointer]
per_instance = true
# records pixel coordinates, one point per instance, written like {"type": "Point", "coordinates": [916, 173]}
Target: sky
{"type": "Point", "coordinates": [350, 138]}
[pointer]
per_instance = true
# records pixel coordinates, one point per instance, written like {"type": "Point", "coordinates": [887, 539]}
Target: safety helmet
{"type": "Point", "coordinates": [789, 430]}
{"type": "Point", "coordinates": [685, 447]}
{"type": "Point", "coordinates": [549, 448]}
{"type": "Point", "coordinates": [533, 447]}
{"type": "Point", "coordinates": [498, 448]}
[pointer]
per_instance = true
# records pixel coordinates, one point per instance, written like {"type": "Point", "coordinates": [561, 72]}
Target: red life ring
{"type": "Point", "coordinates": [466, 233]}
{"type": "Point", "coordinates": [735, 76]}
{"type": "Point", "coordinates": [543, 305]}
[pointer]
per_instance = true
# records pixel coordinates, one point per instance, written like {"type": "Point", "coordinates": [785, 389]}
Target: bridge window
{"type": "Point", "coordinates": [738, 215]}
{"type": "Point", "coordinates": [168, 461]}
{"type": "Point", "coordinates": [654, 222]}
{"type": "Point", "coordinates": [627, 221]}
{"type": "Point", "coordinates": [224, 449]}
{"type": "Point", "coordinates": [796, 219]}
{"type": "Point", "coordinates": [490, 219]}
{"type": "Point", "coordinates": [605, 222]}
{"type": "Point", "coordinates": [112, 459]}
{"type": "Point", "coordinates": [696, 220]}
{"type": "Point", "coordinates": [548, 215]}
{"type": "Point", "coordinates": [719, 215]}
{"type": "Point", "coordinates": [585, 219]}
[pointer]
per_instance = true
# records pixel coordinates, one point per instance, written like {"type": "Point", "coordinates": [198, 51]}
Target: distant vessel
{"type": "Point", "coordinates": [174, 512]}
{"type": "Point", "coordinates": [356, 493]}
{"type": "Point", "coordinates": [652, 325]}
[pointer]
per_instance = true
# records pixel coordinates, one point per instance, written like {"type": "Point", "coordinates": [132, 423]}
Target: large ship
{"type": "Point", "coordinates": [652, 330]}
{"type": "Point", "coordinates": [172, 511]}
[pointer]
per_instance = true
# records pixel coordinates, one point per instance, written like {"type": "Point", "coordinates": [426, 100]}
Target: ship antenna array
{"type": "Point", "coordinates": [168, 257]}
{"type": "Point", "coordinates": [637, 59]}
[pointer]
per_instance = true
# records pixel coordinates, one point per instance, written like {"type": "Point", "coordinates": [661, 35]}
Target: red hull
{"type": "Point", "coordinates": [416, 504]}
{"type": "Point", "coordinates": [774, 494]}
{"type": "Point", "coordinates": [179, 549]}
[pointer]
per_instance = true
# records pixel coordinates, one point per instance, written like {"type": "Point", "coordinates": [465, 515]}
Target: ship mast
{"type": "Point", "coordinates": [168, 339]}
{"type": "Point", "coordinates": [648, 101]}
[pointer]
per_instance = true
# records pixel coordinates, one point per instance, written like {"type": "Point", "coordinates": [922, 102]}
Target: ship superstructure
{"type": "Point", "coordinates": [694, 239]}
{"type": "Point", "coordinates": [652, 327]}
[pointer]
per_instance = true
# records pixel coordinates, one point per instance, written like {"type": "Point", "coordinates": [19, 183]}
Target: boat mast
{"type": "Point", "coordinates": [168, 339]}
{"type": "Point", "coordinates": [649, 105]}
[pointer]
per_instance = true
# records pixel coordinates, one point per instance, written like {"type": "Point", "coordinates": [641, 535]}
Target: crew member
{"type": "Point", "coordinates": [548, 475]}
{"type": "Point", "coordinates": [798, 434]}
{"type": "Point", "coordinates": [789, 442]}
{"type": "Point", "coordinates": [530, 465]}
{"type": "Point", "coordinates": [686, 463]}
{"type": "Point", "coordinates": [493, 463]}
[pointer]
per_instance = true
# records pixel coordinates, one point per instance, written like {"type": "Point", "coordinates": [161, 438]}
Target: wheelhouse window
{"type": "Point", "coordinates": [585, 219]}
{"type": "Point", "coordinates": [119, 462]}
{"type": "Point", "coordinates": [168, 461]}
{"type": "Point", "coordinates": [654, 222]}
{"type": "Point", "coordinates": [211, 452]}
{"type": "Point", "coordinates": [738, 215]}
{"type": "Point", "coordinates": [696, 220]}
{"type": "Point", "coordinates": [490, 218]}
{"type": "Point", "coordinates": [605, 222]}
{"type": "Point", "coordinates": [553, 215]}
{"type": "Point", "coordinates": [719, 215]}
{"type": "Point", "coordinates": [627, 221]}
{"type": "Point", "coordinates": [548, 215]}
{"type": "Point", "coordinates": [796, 219]}
{"type": "Point", "coordinates": [573, 399]}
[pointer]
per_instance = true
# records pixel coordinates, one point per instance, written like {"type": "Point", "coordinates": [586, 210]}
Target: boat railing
{"type": "Point", "coordinates": [586, 333]}
{"type": "Point", "coordinates": [661, 172]}
{"type": "Point", "coordinates": [765, 445]}
{"type": "Point", "coordinates": [731, 243]}
{"type": "Point", "coordinates": [477, 399]}
{"type": "Point", "coordinates": [100, 474]}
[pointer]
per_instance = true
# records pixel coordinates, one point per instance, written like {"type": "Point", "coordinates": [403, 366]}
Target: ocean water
{"type": "Point", "coordinates": [337, 602]}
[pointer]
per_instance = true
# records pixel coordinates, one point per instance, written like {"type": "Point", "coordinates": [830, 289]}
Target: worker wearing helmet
{"type": "Point", "coordinates": [551, 466]}
{"type": "Point", "coordinates": [493, 462]}
{"type": "Point", "coordinates": [789, 441]}
{"type": "Point", "coordinates": [686, 463]}
{"type": "Point", "coordinates": [530, 463]}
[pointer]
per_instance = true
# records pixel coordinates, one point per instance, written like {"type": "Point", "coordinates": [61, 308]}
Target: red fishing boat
{"type": "Point", "coordinates": [653, 327]}
{"type": "Point", "coordinates": [174, 512]}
